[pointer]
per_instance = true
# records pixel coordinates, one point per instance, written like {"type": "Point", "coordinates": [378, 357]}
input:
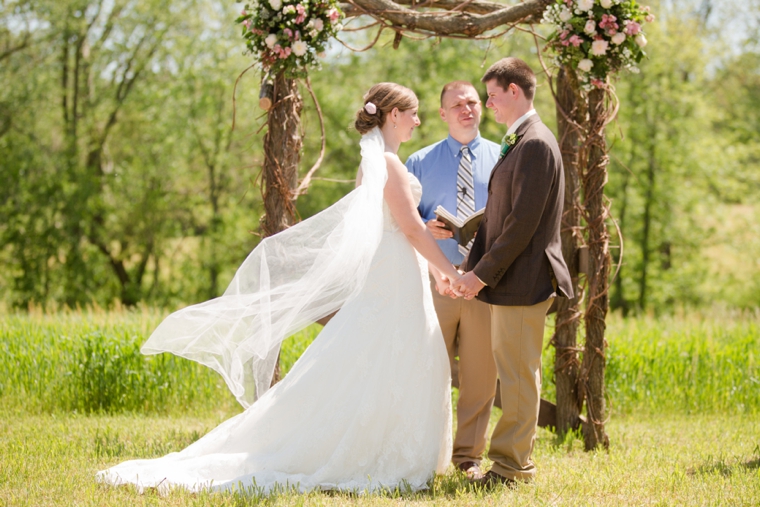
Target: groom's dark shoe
{"type": "Point", "coordinates": [471, 469]}
{"type": "Point", "coordinates": [491, 479]}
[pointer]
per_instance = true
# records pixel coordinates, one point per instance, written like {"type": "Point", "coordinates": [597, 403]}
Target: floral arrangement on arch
{"type": "Point", "coordinates": [597, 37]}
{"type": "Point", "coordinates": [289, 35]}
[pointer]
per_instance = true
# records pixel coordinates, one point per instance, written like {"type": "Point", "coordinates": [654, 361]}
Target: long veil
{"type": "Point", "coordinates": [287, 282]}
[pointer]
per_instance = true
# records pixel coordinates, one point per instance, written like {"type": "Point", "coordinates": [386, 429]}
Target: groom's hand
{"type": "Point", "coordinates": [468, 285]}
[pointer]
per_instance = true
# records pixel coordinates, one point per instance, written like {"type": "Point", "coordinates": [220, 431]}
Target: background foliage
{"type": "Point", "coordinates": [121, 180]}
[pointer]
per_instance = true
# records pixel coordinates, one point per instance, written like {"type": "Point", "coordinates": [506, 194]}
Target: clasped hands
{"type": "Point", "coordinates": [467, 286]}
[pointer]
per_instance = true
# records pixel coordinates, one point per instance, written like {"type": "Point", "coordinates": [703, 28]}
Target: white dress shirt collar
{"type": "Point", "coordinates": [519, 121]}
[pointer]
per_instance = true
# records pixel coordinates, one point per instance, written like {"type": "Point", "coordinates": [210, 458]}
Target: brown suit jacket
{"type": "Point", "coordinates": [518, 249]}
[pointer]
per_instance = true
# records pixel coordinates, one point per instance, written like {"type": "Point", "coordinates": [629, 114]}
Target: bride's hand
{"type": "Point", "coordinates": [452, 279]}
{"type": "Point", "coordinates": [442, 285]}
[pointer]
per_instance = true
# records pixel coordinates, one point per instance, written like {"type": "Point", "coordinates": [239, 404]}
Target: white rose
{"type": "Point", "coordinates": [271, 40]}
{"type": "Point", "coordinates": [585, 5]}
{"type": "Point", "coordinates": [565, 15]}
{"type": "Point", "coordinates": [605, 3]}
{"type": "Point", "coordinates": [641, 40]}
{"type": "Point", "coordinates": [319, 24]}
{"type": "Point", "coordinates": [275, 4]}
{"type": "Point", "coordinates": [585, 65]}
{"type": "Point", "coordinates": [618, 38]}
{"type": "Point", "coordinates": [590, 27]}
{"type": "Point", "coordinates": [599, 47]}
{"type": "Point", "coordinates": [299, 48]}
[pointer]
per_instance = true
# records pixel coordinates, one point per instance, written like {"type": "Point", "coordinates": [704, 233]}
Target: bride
{"type": "Point", "coordinates": [367, 406]}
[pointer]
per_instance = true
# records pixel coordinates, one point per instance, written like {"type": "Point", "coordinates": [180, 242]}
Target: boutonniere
{"type": "Point", "coordinates": [507, 142]}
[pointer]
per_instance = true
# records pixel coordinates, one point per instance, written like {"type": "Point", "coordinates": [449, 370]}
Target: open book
{"type": "Point", "coordinates": [464, 230]}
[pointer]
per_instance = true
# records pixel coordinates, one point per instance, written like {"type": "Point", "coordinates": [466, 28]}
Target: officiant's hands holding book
{"type": "Point", "coordinates": [438, 229]}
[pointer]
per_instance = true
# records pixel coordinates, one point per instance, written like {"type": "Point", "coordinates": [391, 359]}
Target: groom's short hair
{"type": "Point", "coordinates": [456, 85]}
{"type": "Point", "coordinates": [512, 70]}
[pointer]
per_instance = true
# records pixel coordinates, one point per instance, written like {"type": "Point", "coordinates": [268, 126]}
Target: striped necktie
{"type": "Point", "coordinates": [465, 191]}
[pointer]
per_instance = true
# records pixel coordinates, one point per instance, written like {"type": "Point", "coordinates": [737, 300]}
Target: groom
{"type": "Point", "coordinates": [515, 264]}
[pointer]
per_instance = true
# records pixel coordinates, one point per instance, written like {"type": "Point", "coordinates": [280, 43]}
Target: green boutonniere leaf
{"type": "Point", "coordinates": [507, 142]}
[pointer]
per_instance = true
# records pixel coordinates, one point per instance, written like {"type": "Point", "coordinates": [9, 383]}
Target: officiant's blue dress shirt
{"type": "Point", "coordinates": [436, 167]}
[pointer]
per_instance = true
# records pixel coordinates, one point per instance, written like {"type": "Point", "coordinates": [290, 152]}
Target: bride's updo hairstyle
{"type": "Point", "coordinates": [379, 101]}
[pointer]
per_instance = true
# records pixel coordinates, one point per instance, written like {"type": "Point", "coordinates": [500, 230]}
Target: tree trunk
{"type": "Point", "coordinates": [594, 361]}
{"type": "Point", "coordinates": [646, 233]}
{"type": "Point", "coordinates": [282, 152]}
{"type": "Point", "coordinates": [618, 297]}
{"type": "Point", "coordinates": [570, 115]}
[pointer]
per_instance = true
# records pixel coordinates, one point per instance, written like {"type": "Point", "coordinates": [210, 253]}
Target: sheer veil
{"type": "Point", "coordinates": [287, 282]}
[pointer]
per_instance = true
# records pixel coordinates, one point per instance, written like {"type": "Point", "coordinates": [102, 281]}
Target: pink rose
{"type": "Point", "coordinates": [334, 15]}
{"type": "Point", "coordinates": [575, 41]}
{"type": "Point", "coordinates": [598, 83]}
{"type": "Point", "coordinates": [608, 22]}
{"type": "Point", "coordinates": [632, 28]}
{"type": "Point", "coordinates": [649, 18]}
{"type": "Point", "coordinates": [301, 14]}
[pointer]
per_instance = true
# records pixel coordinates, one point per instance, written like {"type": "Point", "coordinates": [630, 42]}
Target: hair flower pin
{"type": "Point", "coordinates": [370, 108]}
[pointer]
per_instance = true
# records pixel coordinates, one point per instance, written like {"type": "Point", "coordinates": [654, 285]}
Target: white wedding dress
{"type": "Point", "coordinates": [366, 407]}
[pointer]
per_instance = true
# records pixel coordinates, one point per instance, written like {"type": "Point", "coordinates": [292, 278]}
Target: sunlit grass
{"type": "Point", "coordinates": [50, 460]}
{"type": "Point", "coordinates": [76, 396]}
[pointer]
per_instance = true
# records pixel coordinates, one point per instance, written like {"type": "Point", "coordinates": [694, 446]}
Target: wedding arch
{"type": "Point", "coordinates": [592, 41]}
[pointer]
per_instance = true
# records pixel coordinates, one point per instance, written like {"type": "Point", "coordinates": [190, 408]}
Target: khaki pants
{"type": "Point", "coordinates": [466, 327]}
{"type": "Point", "coordinates": [517, 337]}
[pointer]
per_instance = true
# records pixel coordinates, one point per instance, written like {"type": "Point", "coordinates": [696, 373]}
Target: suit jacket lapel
{"type": "Point", "coordinates": [521, 130]}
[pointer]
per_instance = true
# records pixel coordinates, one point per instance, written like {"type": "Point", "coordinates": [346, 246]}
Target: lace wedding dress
{"type": "Point", "coordinates": [366, 407]}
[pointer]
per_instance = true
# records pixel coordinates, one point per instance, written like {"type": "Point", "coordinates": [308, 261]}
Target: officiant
{"type": "Point", "coordinates": [454, 174]}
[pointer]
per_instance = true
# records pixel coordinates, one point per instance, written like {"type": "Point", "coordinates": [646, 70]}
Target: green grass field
{"type": "Point", "coordinates": [76, 396]}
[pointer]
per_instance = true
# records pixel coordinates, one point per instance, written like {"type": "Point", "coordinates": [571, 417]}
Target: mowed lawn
{"type": "Point", "coordinates": [683, 425]}
{"type": "Point", "coordinates": [682, 460]}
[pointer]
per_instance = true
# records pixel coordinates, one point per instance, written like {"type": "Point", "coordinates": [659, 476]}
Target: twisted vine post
{"type": "Point", "coordinates": [282, 153]}
{"type": "Point", "coordinates": [594, 159]}
{"type": "Point", "coordinates": [571, 113]}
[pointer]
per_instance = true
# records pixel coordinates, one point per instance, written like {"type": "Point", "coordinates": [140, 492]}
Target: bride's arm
{"type": "Point", "coordinates": [398, 195]}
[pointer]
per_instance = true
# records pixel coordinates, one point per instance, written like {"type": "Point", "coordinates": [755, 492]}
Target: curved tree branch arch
{"type": "Point", "coordinates": [454, 17]}
{"type": "Point", "coordinates": [470, 19]}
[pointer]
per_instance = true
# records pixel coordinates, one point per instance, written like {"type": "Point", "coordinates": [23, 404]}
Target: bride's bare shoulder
{"type": "Point", "coordinates": [393, 162]}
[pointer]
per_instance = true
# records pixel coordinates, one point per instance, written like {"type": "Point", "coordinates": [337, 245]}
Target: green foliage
{"type": "Point", "coordinates": [121, 179]}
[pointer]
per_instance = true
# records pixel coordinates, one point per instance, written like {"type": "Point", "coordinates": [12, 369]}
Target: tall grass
{"type": "Point", "coordinates": [89, 361]}
{"type": "Point", "coordinates": [688, 363]}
